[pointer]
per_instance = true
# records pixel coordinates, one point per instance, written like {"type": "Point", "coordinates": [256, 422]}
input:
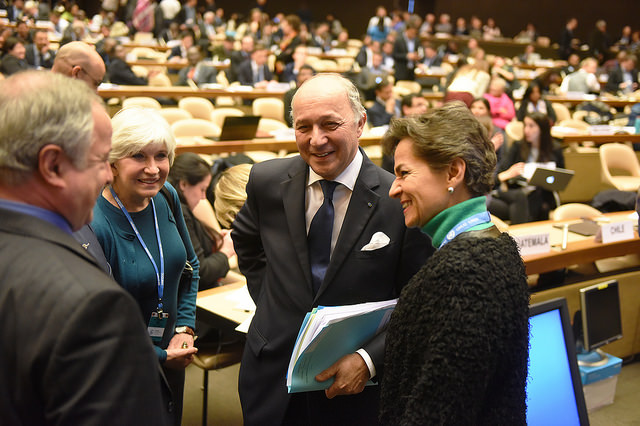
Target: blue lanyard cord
{"type": "Point", "coordinates": [468, 223]}
{"type": "Point", "coordinates": [159, 274]}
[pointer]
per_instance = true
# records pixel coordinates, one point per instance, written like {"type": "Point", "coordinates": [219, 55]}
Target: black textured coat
{"type": "Point", "coordinates": [457, 343]}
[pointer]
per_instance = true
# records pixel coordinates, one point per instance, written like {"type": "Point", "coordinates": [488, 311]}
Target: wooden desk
{"type": "Point", "coordinates": [266, 144]}
{"type": "Point", "coordinates": [182, 91]}
{"type": "Point", "coordinates": [579, 249]}
{"type": "Point", "coordinates": [220, 301]}
{"type": "Point", "coordinates": [612, 102]}
{"type": "Point", "coordinates": [173, 65]}
{"type": "Point", "coordinates": [599, 139]}
{"type": "Point", "coordinates": [157, 47]}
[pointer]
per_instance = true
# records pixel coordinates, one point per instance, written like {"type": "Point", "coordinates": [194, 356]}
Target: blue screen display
{"type": "Point", "coordinates": [550, 396]}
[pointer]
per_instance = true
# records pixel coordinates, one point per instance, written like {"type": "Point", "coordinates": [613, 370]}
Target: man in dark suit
{"type": "Point", "coordinates": [385, 107]}
{"type": "Point", "coordinates": [198, 71]}
{"type": "Point", "coordinates": [623, 78]}
{"type": "Point", "coordinates": [239, 57]}
{"type": "Point", "coordinates": [38, 54]}
{"type": "Point", "coordinates": [372, 257]}
{"type": "Point", "coordinates": [256, 72]}
{"type": "Point", "coordinates": [74, 348]}
{"type": "Point", "coordinates": [405, 51]}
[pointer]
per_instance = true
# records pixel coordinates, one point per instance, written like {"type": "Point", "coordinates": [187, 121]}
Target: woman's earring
{"type": "Point", "coordinates": [450, 189]}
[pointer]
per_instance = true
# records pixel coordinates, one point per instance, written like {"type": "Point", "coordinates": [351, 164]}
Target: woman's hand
{"type": "Point", "coordinates": [179, 357]}
{"type": "Point", "coordinates": [514, 171]}
{"type": "Point", "coordinates": [227, 244]}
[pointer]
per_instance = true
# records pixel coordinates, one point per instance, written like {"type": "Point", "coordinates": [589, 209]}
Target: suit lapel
{"type": "Point", "coordinates": [27, 225]}
{"type": "Point", "coordinates": [293, 195]}
{"type": "Point", "coordinates": [361, 206]}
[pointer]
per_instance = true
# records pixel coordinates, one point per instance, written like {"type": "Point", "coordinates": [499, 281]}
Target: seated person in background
{"type": "Point", "coordinates": [573, 65]}
{"type": "Point", "coordinates": [385, 106]}
{"type": "Point", "coordinates": [502, 109]}
{"type": "Point", "coordinates": [370, 76]}
{"type": "Point", "coordinates": [411, 105]}
{"type": "Point", "coordinates": [365, 55]}
{"type": "Point", "coordinates": [197, 71]}
{"type": "Point", "coordinates": [304, 74]}
{"type": "Point", "coordinates": [501, 69]}
{"type": "Point", "coordinates": [292, 68]}
{"type": "Point", "coordinates": [584, 80]}
{"type": "Point", "coordinates": [481, 109]}
{"type": "Point", "coordinates": [256, 72]}
{"type": "Point", "coordinates": [179, 53]}
{"type": "Point", "coordinates": [13, 59]}
{"type": "Point", "coordinates": [239, 57]}
{"type": "Point", "coordinates": [38, 54]}
{"type": "Point", "coordinates": [190, 175]}
{"type": "Point", "coordinates": [119, 72]}
{"type": "Point", "coordinates": [623, 79]}
{"type": "Point", "coordinates": [514, 200]}
{"type": "Point", "coordinates": [532, 100]}
{"type": "Point", "coordinates": [81, 61]}
{"type": "Point", "coordinates": [529, 56]}
{"type": "Point", "coordinates": [231, 193]}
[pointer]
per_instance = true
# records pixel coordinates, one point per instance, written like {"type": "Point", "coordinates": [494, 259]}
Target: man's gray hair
{"type": "Point", "coordinates": [39, 108]}
{"type": "Point", "coordinates": [352, 94]}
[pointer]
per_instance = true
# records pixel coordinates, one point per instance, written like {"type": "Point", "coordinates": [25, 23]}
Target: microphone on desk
{"type": "Point", "coordinates": [565, 236]}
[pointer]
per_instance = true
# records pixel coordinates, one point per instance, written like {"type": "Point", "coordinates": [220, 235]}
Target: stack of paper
{"type": "Point", "coordinates": [327, 334]}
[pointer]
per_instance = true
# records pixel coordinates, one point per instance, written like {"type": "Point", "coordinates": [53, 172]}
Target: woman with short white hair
{"type": "Point", "coordinates": [145, 239]}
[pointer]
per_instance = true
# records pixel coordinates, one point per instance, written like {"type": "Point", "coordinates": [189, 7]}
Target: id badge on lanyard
{"type": "Point", "coordinates": [157, 325]}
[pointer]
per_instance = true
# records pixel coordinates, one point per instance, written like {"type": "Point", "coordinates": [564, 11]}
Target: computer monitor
{"type": "Point", "coordinates": [599, 321]}
{"type": "Point", "coordinates": [554, 389]}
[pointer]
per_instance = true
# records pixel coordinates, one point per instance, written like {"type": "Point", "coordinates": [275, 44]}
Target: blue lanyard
{"type": "Point", "coordinates": [160, 274]}
{"type": "Point", "coordinates": [468, 223]}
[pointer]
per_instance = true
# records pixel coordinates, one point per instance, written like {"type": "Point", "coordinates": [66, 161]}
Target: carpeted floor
{"type": "Point", "coordinates": [224, 405]}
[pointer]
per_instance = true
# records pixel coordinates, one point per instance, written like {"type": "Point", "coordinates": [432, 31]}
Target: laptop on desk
{"type": "Point", "coordinates": [239, 128]}
{"type": "Point", "coordinates": [551, 179]}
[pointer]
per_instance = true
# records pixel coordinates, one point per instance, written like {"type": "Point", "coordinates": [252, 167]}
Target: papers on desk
{"type": "Point", "coordinates": [329, 333]}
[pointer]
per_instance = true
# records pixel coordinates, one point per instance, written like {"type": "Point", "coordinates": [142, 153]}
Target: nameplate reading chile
{"type": "Point", "coordinates": [617, 231]}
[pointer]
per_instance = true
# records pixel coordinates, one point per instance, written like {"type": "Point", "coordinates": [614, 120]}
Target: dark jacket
{"type": "Point", "coordinates": [454, 354]}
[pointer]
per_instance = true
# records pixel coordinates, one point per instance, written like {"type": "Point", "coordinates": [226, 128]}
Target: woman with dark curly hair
{"type": "Point", "coordinates": [457, 342]}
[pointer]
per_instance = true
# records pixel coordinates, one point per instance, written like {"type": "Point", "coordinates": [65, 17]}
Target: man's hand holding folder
{"type": "Point", "coordinates": [323, 356]}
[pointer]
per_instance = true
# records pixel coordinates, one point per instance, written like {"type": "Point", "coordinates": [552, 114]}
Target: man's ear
{"type": "Point", "coordinates": [52, 162]}
{"type": "Point", "coordinates": [75, 70]}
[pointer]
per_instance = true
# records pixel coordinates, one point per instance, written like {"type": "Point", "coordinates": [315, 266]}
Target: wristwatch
{"type": "Point", "coordinates": [186, 330]}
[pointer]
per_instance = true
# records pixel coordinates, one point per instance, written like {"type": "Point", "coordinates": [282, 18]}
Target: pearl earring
{"type": "Point", "coordinates": [450, 189]}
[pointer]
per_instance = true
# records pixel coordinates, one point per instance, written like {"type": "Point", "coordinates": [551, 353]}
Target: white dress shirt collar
{"type": "Point", "coordinates": [348, 176]}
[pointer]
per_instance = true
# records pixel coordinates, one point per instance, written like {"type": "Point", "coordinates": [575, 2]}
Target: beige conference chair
{"type": "Point", "coordinates": [174, 114]}
{"type": "Point", "coordinates": [197, 107]}
{"type": "Point", "coordinates": [616, 157]}
{"type": "Point", "coordinates": [218, 115]}
{"type": "Point", "coordinates": [574, 211]}
{"type": "Point", "coordinates": [269, 108]}
{"type": "Point", "coordinates": [195, 127]}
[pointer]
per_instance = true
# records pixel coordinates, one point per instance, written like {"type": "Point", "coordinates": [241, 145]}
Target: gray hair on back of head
{"type": "Point", "coordinates": [38, 108]}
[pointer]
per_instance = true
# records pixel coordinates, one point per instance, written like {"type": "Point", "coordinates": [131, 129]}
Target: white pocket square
{"type": "Point", "coordinates": [378, 240]}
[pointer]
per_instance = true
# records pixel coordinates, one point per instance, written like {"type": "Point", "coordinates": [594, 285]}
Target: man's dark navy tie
{"type": "Point", "coordinates": [319, 238]}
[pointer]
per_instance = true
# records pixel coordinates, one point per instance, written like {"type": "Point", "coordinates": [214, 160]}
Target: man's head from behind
{"type": "Point", "coordinates": [328, 119]}
{"type": "Point", "coordinates": [80, 61]}
{"type": "Point", "coordinates": [55, 138]}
